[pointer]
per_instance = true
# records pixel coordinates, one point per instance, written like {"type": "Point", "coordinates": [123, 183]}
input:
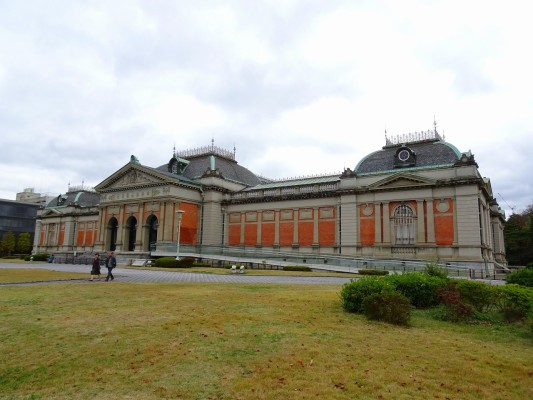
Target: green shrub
{"type": "Point", "coordinates": [297, 268]}
{"type": "Point", "coordinates": [514, 301]}
{"type": "Point", "coordinates": [455, 309]}
{"type": "Point", "coordinates": [529, 265]}
{"type": "Point", "coordinates": [522, 277]}
{"type": "Point", "coordinates": [372, 272]}
{"type": "Point", "coordinates": [354, 292]}
{"type": "Point", "coordinates": [419, 288]}
{"type": "Point", "coordinates": [479, 295]}
{"type": "Point", "coordinates": [434, 269]}
{"type": "Point", "coordinates": [392, 307]}
{"type": "Point", "coordinates": [171, 262]}
{"type": "Point", "coordinates": [37, 257]}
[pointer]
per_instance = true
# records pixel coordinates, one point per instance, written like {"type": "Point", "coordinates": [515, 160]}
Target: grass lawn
{"type": "Point", "coordinates": [11, 275]}
{"type": "Point", "coordinates": [220, 341]}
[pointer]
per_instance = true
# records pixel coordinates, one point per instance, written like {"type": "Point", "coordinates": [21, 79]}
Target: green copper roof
{"type": "Point", "coordinates": [296, 182]}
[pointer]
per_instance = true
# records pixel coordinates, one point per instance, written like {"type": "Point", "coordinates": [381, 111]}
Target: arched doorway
{"type": "Point", "coordinates": [131, 233]}
{"type": "Point", "coordinates": [150, 238]}
{"type": "Point", "coordinates": [112, 230]}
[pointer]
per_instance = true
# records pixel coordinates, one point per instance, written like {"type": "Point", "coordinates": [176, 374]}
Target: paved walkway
{"type": "Point", "coordinates": [147, 275]}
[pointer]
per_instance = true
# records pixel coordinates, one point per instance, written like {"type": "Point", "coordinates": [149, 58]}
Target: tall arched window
{"type": "Point", "coordinates": [131, 232]}
{"type": "Point", "coordinates": [404, 225]}
{"type": "Point", "coordinates": [112, 230]}
{"type": "Point", "coordinates": [150, 239]}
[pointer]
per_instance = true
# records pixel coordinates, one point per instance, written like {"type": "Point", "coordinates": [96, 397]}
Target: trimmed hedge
{"type": "Point", "coordinates": [37, 257]}
{"type": "Point", "coordinates": [393, 308]}
{"type": "Point", "coordinates": [171, 262]}
{"type": "Point", "coordinates": [372, 272]}
{"type": "Point", "coordinates": [297, 268]}
{"type": "Point", "coordinates": [522, 277]}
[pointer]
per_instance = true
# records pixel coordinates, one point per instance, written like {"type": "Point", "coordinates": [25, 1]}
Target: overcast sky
{"type": "Point", "coordinates": [298, 87]}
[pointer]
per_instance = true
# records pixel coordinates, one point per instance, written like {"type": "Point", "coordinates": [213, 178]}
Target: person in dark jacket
{"type": "Point", "coordinates": [95, 271]}
{"type": "Point", "coordinates": [110, 263]}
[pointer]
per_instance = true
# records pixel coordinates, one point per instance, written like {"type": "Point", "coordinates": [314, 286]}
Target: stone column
{"type": "Point", "coordinates": [377, 223]}
{"type": "Point", "coordinates": [431, 222]}
{"type": "Point", "coordinates": [141, 228]}
{"type": "Point", "coordinates": [316, 239]}
{"type": "Point", "coordinates": [386, 223]}
{"type": "Point", "coordinates": [420, 228]}
{"type": "Point", "coordinates": [259, 224]}
{"type": "Point", "coordinates": [276, 228]}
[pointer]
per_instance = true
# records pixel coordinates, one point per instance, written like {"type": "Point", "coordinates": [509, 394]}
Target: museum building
{"type": "Point", "coordinates": [417, 198]}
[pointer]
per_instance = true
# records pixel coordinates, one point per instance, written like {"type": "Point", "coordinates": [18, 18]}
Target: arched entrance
{"type": "Point", "coordinates": [112, 230]}
{"type": "Point", "coordinates": [131, 233]}
{"type": "Point", "coordinates": [150, 236]}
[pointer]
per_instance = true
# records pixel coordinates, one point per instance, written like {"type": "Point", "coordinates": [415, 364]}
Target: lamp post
{"type": "Point", "coordinates": [179, 215]}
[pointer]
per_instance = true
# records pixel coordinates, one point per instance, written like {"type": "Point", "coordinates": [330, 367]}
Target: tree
{"type": "Point", "coordinates": [519, 237]}
{"type": "Point", "coordinates": [24, 243]}
{"type": "Point", "coordinates": [7, 245]}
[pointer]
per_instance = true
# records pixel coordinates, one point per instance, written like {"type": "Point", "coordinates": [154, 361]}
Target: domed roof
{"type": "Point", "coordinates": [428, 153]}
{"type": "Point", "coordinates": [197, 161]}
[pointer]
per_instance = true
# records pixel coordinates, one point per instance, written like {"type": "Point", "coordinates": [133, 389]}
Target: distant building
{"type": "Point", "coordinates": [29, 196]}
{"type": "Point", "coordinates": [417, 198]}
{"type": "Point", "coordinates": [17, 217]}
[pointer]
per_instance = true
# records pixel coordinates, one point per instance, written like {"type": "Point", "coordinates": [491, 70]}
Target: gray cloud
{"type": "Point", "coordinates": [83, 85]}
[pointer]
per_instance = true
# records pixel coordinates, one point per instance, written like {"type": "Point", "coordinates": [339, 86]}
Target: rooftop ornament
{"type": "Point", "coordinates": [414, 137]}
{"type": "Point", "coordinates": [207, 150]}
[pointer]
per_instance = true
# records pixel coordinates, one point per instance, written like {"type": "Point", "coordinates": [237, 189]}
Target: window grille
{"type": "Point", "coordinates": [404, 225]}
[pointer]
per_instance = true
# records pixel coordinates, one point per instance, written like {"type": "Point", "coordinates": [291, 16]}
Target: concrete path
{"type": "Point", "coordinates": [146, 275]}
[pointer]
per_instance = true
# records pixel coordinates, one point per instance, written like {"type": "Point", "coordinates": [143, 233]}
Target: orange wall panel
{"type": "Point", "coordinates": [326, 233]}
{"type": "Point", "coordinates": [443, 219]}
{"type": "Point", "coordinates": [61, 239]}
{"type": "Point", "coordinates": [234, 235]}
{"type": "Point", "coordinates": [305, 233]}
{"type": "Point", "coordinates": [79, 239]}
{"type": "Point", "coordinates": [444, 231]}
{"type": "Point", "coordinates": [89, 238]}
{"type": "Point", "coordinates": [367, 225]}
{"type": "Point", "coordinates": [250, 234]}
{"type": "Point", "coordinates": [189, 223]}
{"type": "Point", "coordinates": [368, 232]}
{"type": "Point", "coordinates": [286, 232]}
{"type": "Point", "coordinates": [267, 234]}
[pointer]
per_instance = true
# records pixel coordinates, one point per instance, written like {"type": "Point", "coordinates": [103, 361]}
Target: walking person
{"type": "Point", "coordinates": [110, 263]}
{"type": "Point", "coordinates": [95, 270]}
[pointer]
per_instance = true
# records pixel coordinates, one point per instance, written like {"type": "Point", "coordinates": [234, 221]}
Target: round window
{"type": "Point", "coordinates": [404, 155]}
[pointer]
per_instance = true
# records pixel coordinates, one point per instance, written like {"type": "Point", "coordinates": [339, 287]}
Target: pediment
{"type": "Point", "coordinates": [130, 177]}
{"type": "Point", "coordinates": [49, 211]}
{"type": "Point", "coordinates": [401, 180]}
